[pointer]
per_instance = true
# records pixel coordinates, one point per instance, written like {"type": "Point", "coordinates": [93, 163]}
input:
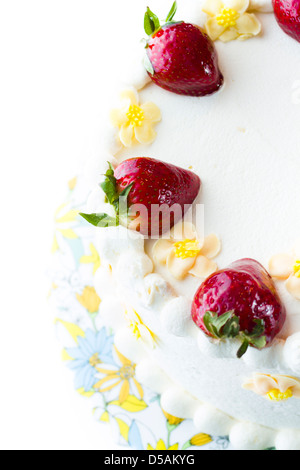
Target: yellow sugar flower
{"type": "Point", "coordinates": [135, 121]}
{"type": "Point", "coordinates": [286, 267]}
{"type": "Point", "coordinates": [125, 375]}
{"type": "Point", "coordinates": [184, 253]}
{"type": "Point", "coordinates": [229, 20]}
{"type": "Point", "coordinates": [275, 388]}
{"type": "Point", "coordinates": [89, 299]}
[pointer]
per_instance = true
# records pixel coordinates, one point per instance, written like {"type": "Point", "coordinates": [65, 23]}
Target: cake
{"type": "Point", "coordinates": [241, 139]}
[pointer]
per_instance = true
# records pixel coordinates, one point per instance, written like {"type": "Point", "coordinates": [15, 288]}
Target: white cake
{"type": "Point", "coordinates": [243, 142]}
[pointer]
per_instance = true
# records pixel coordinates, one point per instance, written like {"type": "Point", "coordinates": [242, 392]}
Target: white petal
{"type": "Point", "coordinates": [126, 135]}
{"type": "Point", "coordinates": [161, 250]}
{"type": "Point", "coordinates": [211, 247]}
{"type": "Point", "coordinates": [203, 267]}
{"type": "Point", "coordinates": [293, 286]}
{"type": "Point", "coordinates": [151, 112]}
{"type": "Point", "coordinates": [238, 5]}
{"type": "Point", "coordinates": [281, 266]}
{"type": "Point", "coordinates": [179, 267]}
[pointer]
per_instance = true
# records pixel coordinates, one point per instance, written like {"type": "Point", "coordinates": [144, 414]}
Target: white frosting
{"type": "Point", "coordinates": [246, 153]}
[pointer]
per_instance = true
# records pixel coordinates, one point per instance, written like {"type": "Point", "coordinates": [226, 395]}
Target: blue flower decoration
{"type": "Point", "coordinates": [94, 348]}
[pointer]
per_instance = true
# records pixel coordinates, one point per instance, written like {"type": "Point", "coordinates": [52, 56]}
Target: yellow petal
{"type": "Point", "coordinates": [130, 97]}
{"type": "Point", "coordinates": [203, 267]}
{"type": "Point", "coordinates": [123, 427]}
{"type": "Point", "coordinates": [214, 29]}
{"type": "Point", "coordinates": [238, 5]}
{"type": "Point", "coordinates": [131, 404]}
{"type": "Point", "coordinates": [124, 392]}
{"type": "Point", "coordinates": [281, 266]}
{"type": "Point", "coordinates": [293, 286]}
{"type": "Point", "coordinates": [248, 24]}
{"type": "Point", "coordinates": [211, 247]}
{"type": "Point", "coordinates": [151, 112]}
{"type": "Point", "coordinates": [145, 134]}
{"type": "Point", "coordinates": [118, 117]}
{"type": "Point", "coordinates": [212, 7]}
{"type": "Point", "coordinates": [229, 35]}
{"type": "Point", "coordinates": [123, 359]}
{"type": "Point", "coordinates": [161, 445]}
{"type": "Point", "coordinates": [126, 135]}
{"type": "Point", "coordinates": [161, 250]}
{"type": "Point", "coordinates": [179, 267]}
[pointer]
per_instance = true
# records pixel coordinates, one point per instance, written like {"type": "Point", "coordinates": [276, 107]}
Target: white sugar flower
{"type": "Point", "coordinates": [229, 20]}
{"type": "Point", "coordinates": [185, 253]}
{"type": "Point", "coordinates": [135, 121]}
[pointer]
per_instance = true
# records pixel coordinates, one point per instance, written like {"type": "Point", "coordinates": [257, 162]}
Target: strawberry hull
{"type": "Point", "coordinates": [246, 289]}
{"type": "Point", "coordinates": [184, 60]}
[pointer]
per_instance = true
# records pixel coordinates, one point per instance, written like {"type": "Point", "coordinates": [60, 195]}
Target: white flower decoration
{"type": "Point", "coordinates": [275, 388]}
{"type": "Point", "coordinates": [229, 20]}
{"type": "Point", "coordinates": [184, 253]}
{"type": "Point", "coordinates": [135, 121]}
{"type": "Point", "coordinates": [286, 267]}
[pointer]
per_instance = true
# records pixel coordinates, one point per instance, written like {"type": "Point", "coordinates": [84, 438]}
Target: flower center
{"type": "Point", "coordinates": [127, 372]}
{"type": "Point", "coordinates": [227, 17]}
{"type": "Point", "coordinates": [277, 395]}
{"type": "Point", "coordinates": [135, 115]}
{"type": "Point", "coordinates": [94, 360]}
{"type": "Point", "coordinates": [186, 249]}
{"type": "Point", "coordinates": [297, 268]}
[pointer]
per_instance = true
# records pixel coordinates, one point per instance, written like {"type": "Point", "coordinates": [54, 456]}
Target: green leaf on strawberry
{"type": "Point", "coordinates": [172, 12]}
{"type": "Point", "coordinates": [227, 326]}
{"type": "Point", "coordinates": [151, 22]}
{"type": "Point", "coordinates": [113, 197]}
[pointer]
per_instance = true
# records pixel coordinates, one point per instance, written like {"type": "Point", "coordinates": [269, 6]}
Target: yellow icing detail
{"type": "Point", "coordinates": [187, 249]}
{"type": "Point", "coordinates": [297, 268]}
{"type": "Point", "coordinates": [135, 115]}
{"type": "Point", "coordinates": [227, 17]}
{"type": "Point", "coordinates": [277, 395]}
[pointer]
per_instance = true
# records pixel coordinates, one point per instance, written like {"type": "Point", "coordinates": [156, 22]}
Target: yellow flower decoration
{"type": "Point", "coordinates": [162, 446]}
{"type": "Point", "coordinates": [275, 388]}
{"type": "Point", "coordinates": [135, 121]}
{"type": "Point", "coordinates": [124, 375]}
{"type": "Point", "coordinates": [229, 20]}
{"type": "Point", "coordinates": [184, 253]}
{"type": "Point", "coordinates": [139, 329]}
{"type": "Point", "coordinates": [89, 299]}
{"type": "Point", "coordinates": [286, 267]}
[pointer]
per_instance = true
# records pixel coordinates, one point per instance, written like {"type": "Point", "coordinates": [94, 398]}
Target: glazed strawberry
{"type": "Point", "coordinates": [180, 57]}
{"type": "Point", "coordinates": [155, 195]}
{"type": "Point", "coordinates": [287, 13]}
{"type": "Point", "coordinates": [240, 302]}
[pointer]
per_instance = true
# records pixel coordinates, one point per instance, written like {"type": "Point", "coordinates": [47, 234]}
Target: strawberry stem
{"type": "Point", "coordinates": [227, 326]}
{"type": "Point", "coordinates": [114, 198]}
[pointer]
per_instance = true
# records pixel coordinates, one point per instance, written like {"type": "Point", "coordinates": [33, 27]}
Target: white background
{"type": "Point", "coordinates": [54, 59]}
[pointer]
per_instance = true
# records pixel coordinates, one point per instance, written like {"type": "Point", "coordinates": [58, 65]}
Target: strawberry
{"type": "Point", "coordinates": [180, 57]}
{"type": "Point", "coordinates": [155, 195]}
{"type": "Point", "coordinates": [240, 302]}
{"type": "Point", "coordinates": [287, 14]}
